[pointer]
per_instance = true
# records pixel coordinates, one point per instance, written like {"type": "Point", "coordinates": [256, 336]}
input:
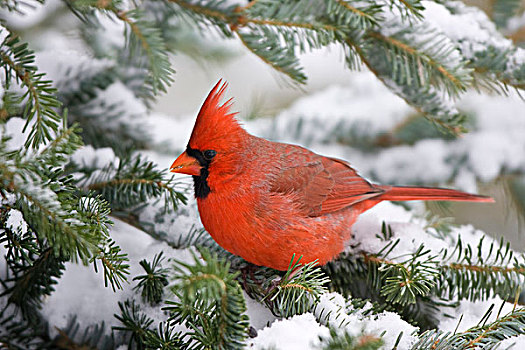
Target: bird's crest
{"type": "Point", "coordinates": [215, 123]}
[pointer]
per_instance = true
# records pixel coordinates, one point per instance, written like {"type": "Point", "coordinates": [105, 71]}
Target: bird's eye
{"type": "Point", "coordinates": [209, 154]}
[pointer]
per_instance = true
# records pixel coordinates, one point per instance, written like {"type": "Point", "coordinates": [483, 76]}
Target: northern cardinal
{"type": "Point", "coordinates": [265, 201]}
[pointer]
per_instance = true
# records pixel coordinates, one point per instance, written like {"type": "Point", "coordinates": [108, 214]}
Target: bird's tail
{"type": "Point", "coordinates": [407, 193]}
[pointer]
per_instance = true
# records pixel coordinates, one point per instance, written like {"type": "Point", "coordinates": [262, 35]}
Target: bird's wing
{"type": "Point", "coordinates": [349, 188]}
{"type": "Point", "coordinates": [319, 184]}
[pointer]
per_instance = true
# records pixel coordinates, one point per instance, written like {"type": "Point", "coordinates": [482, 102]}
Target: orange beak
{"type": "Point", "coordinates": [185, 164]}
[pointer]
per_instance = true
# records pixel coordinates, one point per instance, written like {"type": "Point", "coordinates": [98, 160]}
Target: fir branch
{"type": "Point", "coordinates": [165, 338]}
{"type": "Point", "coordinates": [75, 336]}
{"type": "Point", "coordinates": [21, 246]}
{"type": "Point", "coordinates": [30, 281]}
{"type": "Point", "coordinates": [135, 324]}
{"type": "Point", "coordinates": [282, 59]}
{"type": "Point", "coordinates": [95, 211]}
{"type": "Point", "coordinates": [345, 341]}
{"type": "Point", "coordinates": [367, 16]}
{"type": "Point", "coordinates": [116, 127]}
{"type": "Point", "coordinates": [144, 41]}
{"type": "Point", "coordinates": [467, 277]}
{"type": "Point", "coordinates": [428, 103]}
{"type": "Point", "coordinates": [496, 69]}
{"type": "Point", "coordinates": [195, 237]}
{"type": "Point", "coordinates": [51, 222]}
{"type": "Point", "coordinates": [472, 274]}
{"type": "Point", "coordinates": [409, 9]}
{"type": "Point", "coordinates": [351, 276]}
{"type": "Point", "coordinates": [417, 284]}
{"type": "Point", "coordinates": [298, 291]}
{"type": "Point", "coordinates": [496, 66]}
{"type": "Point", "coordinates": [287, 15]}
{"type": "Point", "coordinates": [211, 303]}
{"type": "Point", "coordinates": [295, 292]}
{"type": "Point", "coordinates": [100, 185]}
{"type": "Point", "coordinates": [114, 264]}
{"type": "Point", "coordinates": [60, 225]}
{"type": "Point", "coordinates": [420, 67]}
{"type": "Point", "coordinates": [262, 36]}
{"type": "Point", "coordinates": [503, 10]}
{"type": "Point", "coordinates": [487, 269]}
{"type": "Point", "coordinates": [18, 5]}
{"type": "Point", "coordinates": [153, 282]}
{"type": "Point", "coordinates": [135, 181]}
{"type": "Point", "coordinates": [40, 109]}
{"type": "Point", "coordinates": [84, 85]}
{"type": "Point", "coordinates": [425, 101]}
{"type": "Point", "coordinates": [482, 336]}
{"type": "Point", "coordinates": [109, 5]}
{"type": "Point", "coordinates": [72, 226]}
{"type": "Point", "coordinates": [207, 10]}
{"type": "Point", "coordinates": [21, 334]}
{"type": "Point", "coordinates": [147, 37]}
{"type": "Point", "coordinates": [415, 61]}
{"type": "Point", "coordinates": [66, 142]}
{"type": "Point", "coordinates": [402, 282]}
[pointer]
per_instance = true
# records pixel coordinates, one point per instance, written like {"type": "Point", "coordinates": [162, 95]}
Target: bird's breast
{"type": "Point", "coordinates": [267, 230]}
{"type": "Point", "coordinates": [233, 221]}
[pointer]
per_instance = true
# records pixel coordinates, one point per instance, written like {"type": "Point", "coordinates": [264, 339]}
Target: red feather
{"type": "Point", "coordinates": [407, 193]}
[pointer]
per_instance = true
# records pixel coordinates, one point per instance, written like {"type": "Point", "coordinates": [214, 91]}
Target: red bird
{"type": "Point", "coordinates": [265, 201]}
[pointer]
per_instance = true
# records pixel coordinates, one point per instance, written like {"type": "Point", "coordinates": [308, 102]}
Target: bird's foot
{"type": "Point", "coordinates": [273, 286]}
{"type": "Point", "coordinates": [248, 279]}
{"type": "Point", "coordinates": [276, 282]}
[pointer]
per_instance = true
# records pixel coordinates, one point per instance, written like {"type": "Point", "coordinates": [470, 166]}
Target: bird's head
{"type": "Point", "coordinates": [215, 143]}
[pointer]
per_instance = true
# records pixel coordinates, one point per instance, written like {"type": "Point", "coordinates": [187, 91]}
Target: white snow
{"type": "Point", "coordinates": [32, 14]}
{"type": "Point", "coordinates": [469, 27]}
{"type": "Point", "coordinates": [15, 221]}
{"type": "Point", "coordinates": [299, 332]}
{"type": "Point", "coordinates": [515, 23]}
{"type": "Point", "coordinates": [516, 60]}
{"type": "Point", "coordinates": [320, 117]}
{"type": "Point", "coordinates": [411, 232]}
{"type": "Point", "coordinates": [392, 324]}
{"type": "Point", "coordinates": [173, 226]}
{"type": "Point", "coordinates": [427, 163]}
{"type": "Point", "coordinates": [121, 96]}
{"type": "Point", "coordinates": [514, 343]}
{"type": "Point", "coordinates": [96, 159]}
{"type": "Point", "coordinates": [466, 180]}
{"type": "Point", "coordinates": [109, 36]}
{"type": "Point", "coordinates": [2, 90]}
{"type": "Point", "coordinates": [3, 35]}
{"type": "Point", "coordinates": [9, 199]}
{"type": "Point", "coordinates": [73, 64]}
{"type": "Point", "coordinates": [172, 133]}
{"type": "Point", "coordinates": [13, 128]}
{"type": "Point", "coordinates": [471, 313]}
{"type": "Point", "coordinates": [332, 311]}
{"type": "Point", "coordinates": [489, 152]}
{"type": "Point", "coordinates": [87, 156]}
{"type": "Point", "coordinates": [80, 291]}
{"type": "Point", "coordinates": [260, 316]}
